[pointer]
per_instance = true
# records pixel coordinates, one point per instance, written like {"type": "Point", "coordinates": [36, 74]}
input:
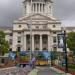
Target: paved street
{"type": "Point", "coordinates": [47, 71]}
{"type": "Point", "coordinates": [26, 71]}
{"type": "Point", "coordinates": [15, 71]}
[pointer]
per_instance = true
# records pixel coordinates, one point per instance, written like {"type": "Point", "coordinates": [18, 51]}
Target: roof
{"type": "Point", "coordinates": [5, 27]}
{"type": "Point", "coordinates": [70, 28]}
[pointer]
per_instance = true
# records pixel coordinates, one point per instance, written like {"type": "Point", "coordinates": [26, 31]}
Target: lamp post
{"type": "Point", "coordinates": [31, 34]}
{"type": "Point", "coordinates": [62, 44]}
{"type": "Point", "coordinates": [65, 52]}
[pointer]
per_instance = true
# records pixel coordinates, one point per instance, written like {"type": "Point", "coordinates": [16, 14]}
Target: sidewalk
{"type": "Point", "coordinates": [59, 71]}
{"type": "Point", "coordinates": [49, 71]}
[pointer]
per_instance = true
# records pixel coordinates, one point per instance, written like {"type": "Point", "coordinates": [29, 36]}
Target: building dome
{"type": "Point", "coordinates": [38, 6]}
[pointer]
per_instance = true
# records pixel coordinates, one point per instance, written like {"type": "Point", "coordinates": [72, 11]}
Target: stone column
{"type": "Point", "coordinates": [33, 8]}
{"type": "Point", "coordinates": [39, 7]}
{"type": "Point", "coordinates": [24, 42]}
{"type": "Point", "coordinates": [51, 42]}
{"type": "Point", "coordinates": [32, 42]}
{"type": "Point", "coordinates": [36, 6]}
{"type": "Point", "coordinates": [40, 42]}
{"type": "Point", "coordinates": [42, 7]}
{"type": "Point", "coordinates": [48, 42]}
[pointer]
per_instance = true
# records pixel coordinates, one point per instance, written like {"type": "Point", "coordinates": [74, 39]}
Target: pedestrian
{"type": "Point", "coordinates": [33, 62]}
{"type": "Point", "coordinates": [30, 63]}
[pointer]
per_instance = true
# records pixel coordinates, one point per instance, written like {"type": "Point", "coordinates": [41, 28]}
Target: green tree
{"type": "Point", "coordinates": [4, 45]}
{"type": "Point", "coordinates": [71, 41]}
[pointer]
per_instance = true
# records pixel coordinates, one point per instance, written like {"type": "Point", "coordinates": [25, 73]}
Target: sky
{"type": "Point", "coordinates": [11, 10]}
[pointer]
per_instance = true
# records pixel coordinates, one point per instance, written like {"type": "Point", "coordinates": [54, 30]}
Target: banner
{"type": "Point", "coordinates": [60, 40]}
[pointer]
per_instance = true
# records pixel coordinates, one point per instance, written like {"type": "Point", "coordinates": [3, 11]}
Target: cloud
{"type": "Point", "coordinates": [64, 9]}
{"type": "Point", "coordinates": [13, 9]}
{"type": "Point", "coordinates": [10, 11]}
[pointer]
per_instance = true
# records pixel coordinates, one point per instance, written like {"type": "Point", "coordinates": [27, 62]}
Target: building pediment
{"type": "Point", "coordinates": [39, 18]}
{"type": "Point", "coordinates": [36, 17]}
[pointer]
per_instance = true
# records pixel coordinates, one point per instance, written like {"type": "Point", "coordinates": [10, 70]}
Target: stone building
{"type": "Point", "coordinates": [44, 26]}
{"type": "Point", "coordinates": [38, 18]}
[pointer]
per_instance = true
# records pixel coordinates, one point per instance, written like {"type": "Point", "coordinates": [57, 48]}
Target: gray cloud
{"type": "Point", "coordinates": [65, 9]}
{"type": "Point", "coordinates": [13, 9]}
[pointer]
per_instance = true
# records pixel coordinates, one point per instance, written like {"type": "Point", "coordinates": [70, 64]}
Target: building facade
{"type": "Point", "coordinates": [37, 29]}
{"type": "Point", "coordinates": [44, 27]}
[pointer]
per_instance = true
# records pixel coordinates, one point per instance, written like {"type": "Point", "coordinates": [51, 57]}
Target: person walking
{"type": "Point", "coordinates": [33, 61]}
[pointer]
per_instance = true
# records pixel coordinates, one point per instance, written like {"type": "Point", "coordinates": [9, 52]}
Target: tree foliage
{"type": "Point", "coordinates": [71, 41]}
{"type": "Point", "coordinates": [4, 45]}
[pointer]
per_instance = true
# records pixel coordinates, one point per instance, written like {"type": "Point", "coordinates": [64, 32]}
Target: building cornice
{"type": "Point", "coordinates": [36, 30]}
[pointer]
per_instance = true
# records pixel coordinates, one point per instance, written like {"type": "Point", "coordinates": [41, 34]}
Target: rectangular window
{"type": "Point", "coordinates": [37, 41]}
{"type": "Point", "coordinates": [40, 7]}
{"type": "Point", "coordinates": [10, 41]}
{"type": "Point", "coordinates": [19, 39]}
{"type": "Point", "coordinates": [43, 7]}
{"type": "Point", "coordinates": [54, 39]}
{"type": "Point", "coordinates": [28, 41]}
{"type": "Point", "coordinates": [34, 7]}
{"type": "Point", "coordinates": [19, 49]}
{"type": "Point", "coordinates": [45, 41]}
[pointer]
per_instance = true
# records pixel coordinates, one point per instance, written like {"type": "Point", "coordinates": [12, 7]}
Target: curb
{"type": "Point", "coordinates": [59, 71]}
{"type": "Point", "coordinates": [33, 72]}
